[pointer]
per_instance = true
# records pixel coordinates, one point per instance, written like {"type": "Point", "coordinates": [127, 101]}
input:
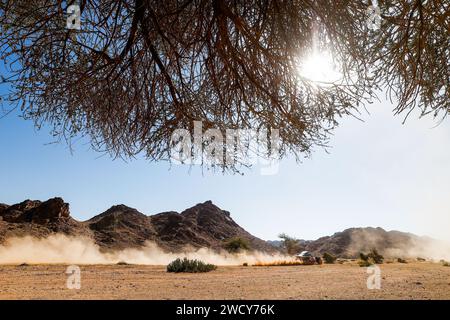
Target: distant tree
{"type": "Point", "coordinates": [290, 244]}
{"type": "Point", "coordinates": [235, 245]}
{"type": "Point", "coordinates": [373, 257]}
{"type": "Point", "coordinates": [137, 70]}
{"type": "Point", "coordinates": [328, 258]}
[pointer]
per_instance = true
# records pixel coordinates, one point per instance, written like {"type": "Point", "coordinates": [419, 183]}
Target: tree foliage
{"type": "Point", "coordinates": [329, 258]}
{"type": "Point", "coordinates": [137, 70]}
{"type": "Point", "coordinates": [290, 245]}
{"type": "Point", "coordinates": [236, 245]}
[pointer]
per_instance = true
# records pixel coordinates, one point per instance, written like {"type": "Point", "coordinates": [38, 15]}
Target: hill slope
{"type": "Point", "coordinates": [204, 225]}
{"type": "Point", "coordinates": [350, 242]}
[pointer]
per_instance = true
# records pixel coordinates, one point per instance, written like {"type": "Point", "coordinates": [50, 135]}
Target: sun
{"type": "Point", "coordinates": [319, 68]}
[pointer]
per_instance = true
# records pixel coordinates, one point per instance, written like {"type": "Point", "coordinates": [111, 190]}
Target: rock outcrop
{"type": "Point", "coordinates": [36, 211]}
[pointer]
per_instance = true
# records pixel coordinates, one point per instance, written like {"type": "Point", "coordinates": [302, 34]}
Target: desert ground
{"type": "Point", "coordinates": [416, 280]}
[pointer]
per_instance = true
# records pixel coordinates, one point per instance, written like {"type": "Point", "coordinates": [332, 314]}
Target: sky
{"type": "Point", "coordinates": [379, 172]}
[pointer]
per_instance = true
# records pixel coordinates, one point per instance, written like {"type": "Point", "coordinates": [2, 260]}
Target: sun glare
{"type": "Point", "coordinates": [319, 68]}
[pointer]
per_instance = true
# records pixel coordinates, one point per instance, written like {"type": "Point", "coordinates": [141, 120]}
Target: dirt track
{"type": "Point", "coordinates": [399, 281]}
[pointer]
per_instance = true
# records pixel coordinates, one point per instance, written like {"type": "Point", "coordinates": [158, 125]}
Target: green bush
{"type": "Point", "coordinates": [328, 258]}
{"type": "Point", "coordinates": [235, 245]}
{"type": "Point", "coordinates": [375, 256]}
{"type": "Point", "coordinates": [187, 265]}
{"type": "Point", "coordinates": [372, 256]}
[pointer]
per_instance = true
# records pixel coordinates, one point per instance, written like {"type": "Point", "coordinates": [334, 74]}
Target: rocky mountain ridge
{"type": "Point", "coordinates": [119, 227]}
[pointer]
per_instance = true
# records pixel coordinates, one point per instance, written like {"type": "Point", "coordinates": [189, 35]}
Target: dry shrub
{"type": "Point", "coordinates": [278, 263]}
{"type": "Point", "coordinates": [421, 259]}
{"type": "Point", "coordinates": [364, 263]}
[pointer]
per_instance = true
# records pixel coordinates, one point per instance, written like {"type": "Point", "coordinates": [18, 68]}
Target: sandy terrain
{"type": "Point", "coordinates": [418, 280]}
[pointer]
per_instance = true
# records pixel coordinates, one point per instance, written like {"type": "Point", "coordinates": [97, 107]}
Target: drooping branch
{"type": "Point", "coordinates": [137, 70]}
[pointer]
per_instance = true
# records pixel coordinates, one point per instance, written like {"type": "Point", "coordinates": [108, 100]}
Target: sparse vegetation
{"type": "Point", "coordinates": [300, 282]}
{"type": "Point", "coordinates": [446, 263]}
{"type": "Point", "coordinates": [188, 265]}
{"type": "Point", "coordinates": [245, 264]}
{"type": "Point", "coordinates": [329, 258]}
{"type": "Point", "coordinates": [122, 263]}
{"type": "Point", "coordinates": [290, 244]}
{"type": "Point", "coordinates": [363, 257]}
{"type": "Point", "coordinates": [237, 244]}
{"type": "Point", "coordinates": [373, 257]}
{"type": "Point", "coordinates": [421, 259]}
{"type": "Point", "coordinates": [377, 258]}
{"type": "Point", "coordinates": [400, 260]}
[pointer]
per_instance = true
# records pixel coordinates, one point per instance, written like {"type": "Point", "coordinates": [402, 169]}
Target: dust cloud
{"type": "Point", "coordinates": [429, 249]}
{"type": "Point", "coordinates": [76, 250]}
{"type": "Point", "coordinates": [404, 246]}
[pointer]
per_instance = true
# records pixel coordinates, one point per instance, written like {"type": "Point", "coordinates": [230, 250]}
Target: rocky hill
{"type": "Point", "coordinates": [350, 242]}
{"type": "Point", "coordinates": [204, 225]}
{"type": "Point", "coordinates": [39, 219]}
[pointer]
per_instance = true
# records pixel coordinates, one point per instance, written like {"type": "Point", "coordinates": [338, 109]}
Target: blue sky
{"type": "Point", "coordinates": [377, 173]}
